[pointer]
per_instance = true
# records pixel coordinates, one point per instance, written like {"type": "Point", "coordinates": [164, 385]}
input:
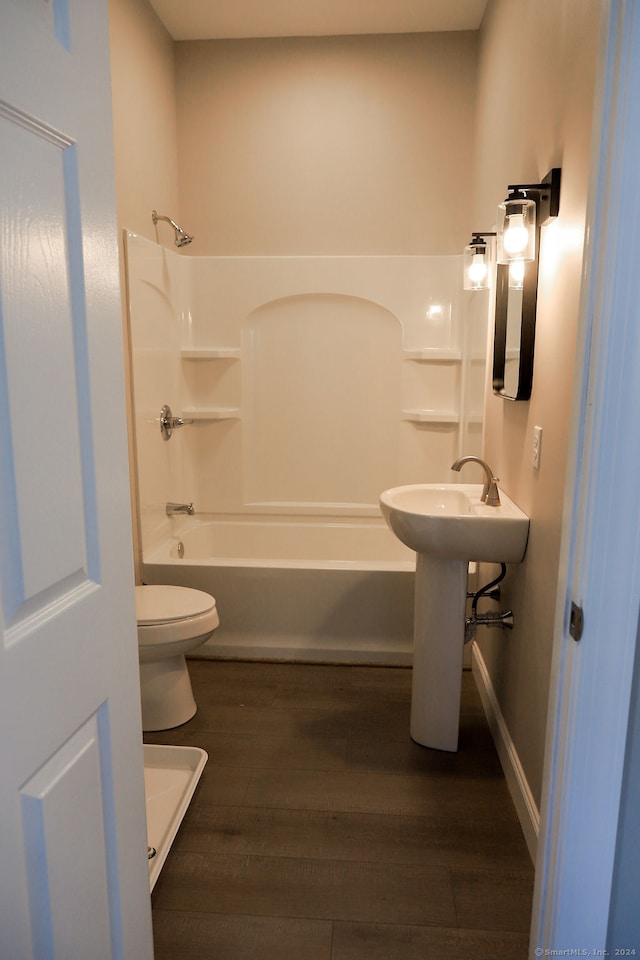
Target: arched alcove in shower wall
{"type": "Point", "coordinates": [321, 397]}
{"type": "Point", "coordinates": [316, 382]}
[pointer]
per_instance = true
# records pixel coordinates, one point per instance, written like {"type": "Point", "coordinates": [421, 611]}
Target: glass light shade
{"type": "Point", "coordinates": [516, 274]}
{"type": "Point", "coordinates": [516, 230]}
{"type": "Point", "coordinates": [477, 275]}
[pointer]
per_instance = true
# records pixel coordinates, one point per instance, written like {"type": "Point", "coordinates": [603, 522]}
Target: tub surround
{"type": "Point", "coordinates": [312, 384]}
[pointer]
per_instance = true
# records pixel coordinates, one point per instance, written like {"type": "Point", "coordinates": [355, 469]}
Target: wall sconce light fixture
{"type": "Point", "coordinates": [528, 206]}
{"type": "Point", "coordinates": [476, 262]}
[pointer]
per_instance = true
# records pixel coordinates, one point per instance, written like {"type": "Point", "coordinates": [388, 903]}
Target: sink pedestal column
{"type": "Point", "coordinates": [438, 647]}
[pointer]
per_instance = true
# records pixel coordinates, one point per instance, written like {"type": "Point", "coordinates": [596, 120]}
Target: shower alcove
{"type": "Point", "coordinates": [313, 384]}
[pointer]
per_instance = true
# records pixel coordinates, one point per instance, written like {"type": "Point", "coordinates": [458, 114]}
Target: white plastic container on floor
{"type": "Point", "coordinates": [171, 775]}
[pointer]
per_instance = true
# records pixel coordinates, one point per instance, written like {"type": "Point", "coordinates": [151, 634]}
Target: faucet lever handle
{"type": "Point", "coordinates": [490, 493]}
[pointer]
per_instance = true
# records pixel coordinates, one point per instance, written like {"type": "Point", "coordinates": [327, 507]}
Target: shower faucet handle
{"type": "Point", "coordinates": [169, 423]}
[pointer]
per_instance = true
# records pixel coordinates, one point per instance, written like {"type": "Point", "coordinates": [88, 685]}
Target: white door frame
{"type": "Point", "coordinates": [591, 681]}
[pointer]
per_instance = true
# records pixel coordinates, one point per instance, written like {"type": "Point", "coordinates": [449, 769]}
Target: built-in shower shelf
{"type": "Point", "coordinates": [211, 413]}
{"type": "Point", "coordinates": [431, 416]}
{"type": "Point", "coordinates": [211, 353]}
{"type": "Point", "coordinates": [433, 355]}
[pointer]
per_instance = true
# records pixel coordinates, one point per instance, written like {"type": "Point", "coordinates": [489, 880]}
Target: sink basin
{"type": "Point", "coordinates": [449, 522]}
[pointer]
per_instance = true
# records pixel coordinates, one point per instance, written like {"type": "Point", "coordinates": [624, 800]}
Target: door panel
{"type": "Point", "coordinates": [39, 345]}
{"type": "Point", "coordinates": [69, 898]}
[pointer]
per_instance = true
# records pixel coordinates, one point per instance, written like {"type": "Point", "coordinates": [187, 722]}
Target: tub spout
{"type": "Point", "coordinates": [174, 508]}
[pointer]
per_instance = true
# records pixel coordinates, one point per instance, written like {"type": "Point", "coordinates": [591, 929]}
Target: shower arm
{"type": "Point", "coordinates": [182, 238]}
{"type": "Point", "coordinates": [157, 216]}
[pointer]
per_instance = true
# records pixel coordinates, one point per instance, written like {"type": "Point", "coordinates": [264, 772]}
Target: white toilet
{"type": "Point", "coordinates": [172, 621]}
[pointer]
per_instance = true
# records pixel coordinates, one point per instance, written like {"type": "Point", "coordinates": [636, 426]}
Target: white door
{"type": "Point", "coordinates": [73, 869]}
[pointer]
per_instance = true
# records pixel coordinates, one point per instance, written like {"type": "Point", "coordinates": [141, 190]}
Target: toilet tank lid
{"type": "Point", "coordinates": [165, 603]}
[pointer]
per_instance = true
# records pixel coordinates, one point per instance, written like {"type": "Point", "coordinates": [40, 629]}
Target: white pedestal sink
{"type": "Point", "coordinates": [448, 526]}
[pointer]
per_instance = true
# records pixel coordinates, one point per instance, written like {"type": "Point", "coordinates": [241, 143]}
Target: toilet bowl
{"type": "Point", "coordinates": [172, 621]}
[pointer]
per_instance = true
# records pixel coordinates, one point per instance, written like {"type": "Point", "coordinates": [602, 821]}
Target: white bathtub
{"type": "Point", "coordinates": [339, 591]}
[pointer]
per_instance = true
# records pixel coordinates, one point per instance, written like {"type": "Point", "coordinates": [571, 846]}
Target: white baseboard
{"type": "Point", "coordinates": [526, 808]}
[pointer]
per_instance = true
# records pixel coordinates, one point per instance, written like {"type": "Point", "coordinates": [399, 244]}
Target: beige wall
{"type": "Point", "coordinates": [144, 117]}
{"type": "Point", "coordinates": [535, 100]}
{"type": "Point", "coordinates": [312, 146]}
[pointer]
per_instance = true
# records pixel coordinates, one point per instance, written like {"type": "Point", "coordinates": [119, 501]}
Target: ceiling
{"type": "Point", "coordinates": [225, 19]}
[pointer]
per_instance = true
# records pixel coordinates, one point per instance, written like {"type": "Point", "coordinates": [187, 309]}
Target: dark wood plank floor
{"type": "Point", "coordinates": [320, 831]}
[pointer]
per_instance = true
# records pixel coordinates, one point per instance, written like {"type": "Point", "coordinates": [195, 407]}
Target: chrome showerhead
{"type": "Point", "coordinates": [181, 238]}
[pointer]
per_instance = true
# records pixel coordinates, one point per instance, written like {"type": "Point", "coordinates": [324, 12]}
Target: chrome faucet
{"type": "Point", "coordinates": [174, 508]}
{"type": "Point", "coordinates": [490, 494]}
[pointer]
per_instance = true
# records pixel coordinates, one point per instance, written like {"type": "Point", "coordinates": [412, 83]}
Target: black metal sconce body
{"type": "Point", "coordinates": [515, 312]}
{"type": "Point", "coordinates": [505, 383]}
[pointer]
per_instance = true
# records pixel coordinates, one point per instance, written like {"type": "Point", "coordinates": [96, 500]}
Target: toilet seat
{"type": "Point", "coordinates": [167, 614]}
{"type": "Point", "coordinates": [164, 604]}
